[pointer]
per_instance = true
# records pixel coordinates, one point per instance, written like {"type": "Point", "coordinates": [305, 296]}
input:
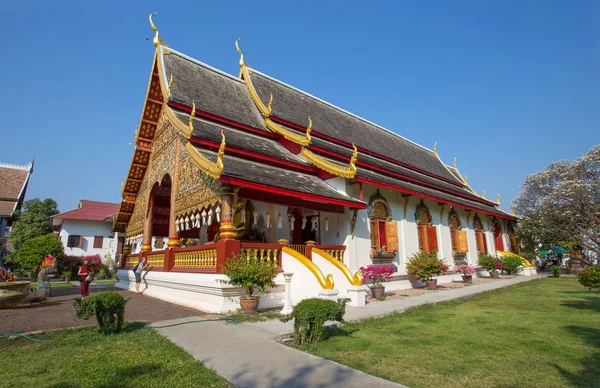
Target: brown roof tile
{"type": "Point", "coordinates": [11, 182]}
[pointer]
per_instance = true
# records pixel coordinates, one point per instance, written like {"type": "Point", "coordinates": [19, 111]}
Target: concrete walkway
{"type": "Point", "coordinates": [247, 355]}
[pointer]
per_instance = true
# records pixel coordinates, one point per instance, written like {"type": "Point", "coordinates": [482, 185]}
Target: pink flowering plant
{"type": "Point", "coordinates": [377, 275]}
{"type": "Point", "coordinates": [48, 262]}
{"type": "Point", "coordinates": [423, 266]}
{"type": "Point", "coordinates": [464, 269]}
{"type": "Point", "coordinates": [7, 276]}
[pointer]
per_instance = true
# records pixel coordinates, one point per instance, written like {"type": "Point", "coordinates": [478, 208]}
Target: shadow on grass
{"type": "Point", "coordinates": [586, 303]}
{"type": "Point", "coordinates": [590, 365]}
{"type": "Point", "coordinates": [336, 331]}
{"type": "Point", "coordinates": [119, 377]}
{"type": "Point", "coordinates": [130, 327]}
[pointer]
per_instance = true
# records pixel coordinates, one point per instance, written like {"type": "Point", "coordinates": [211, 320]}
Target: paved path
{"type": "Point", "coordinates": [57, 311]}
{"type": "Point", "coordinates": [247, 356]}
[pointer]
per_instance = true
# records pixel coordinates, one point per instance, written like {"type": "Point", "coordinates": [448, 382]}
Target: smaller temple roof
{"type": "Point", "coordinates": [13, 184]}
{"type": "Point", "coordinates": [262, 177]}
{"type": "Point", "coordinates": [88, 211]}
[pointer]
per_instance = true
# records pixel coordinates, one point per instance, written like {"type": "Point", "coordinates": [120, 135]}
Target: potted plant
{"type": "Point", "coordinates": [466, 271]}
{"type": "Point", "coordinates": [68, 275]}
{"type": "Point", "coordinates": [422, 266]}
{"type": "Point", "coordinates": [377, 275]}
{"type": "Point", "coordinates": [251, 274]}
{"type": "Point", "coordinates": [491, 264]}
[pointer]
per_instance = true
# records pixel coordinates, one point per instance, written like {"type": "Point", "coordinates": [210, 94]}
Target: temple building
{"type": "Point", "coordinates": [228, 164]}
{"type": "Point", "coordinates": [14, 179]}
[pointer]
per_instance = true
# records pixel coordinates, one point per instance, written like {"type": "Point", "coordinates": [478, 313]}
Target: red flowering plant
{"type": "Point", "coordinates": [464, 269]}
{"type": "Point", "coordinates": [423, 266]}
{"type": "Point", "coordinates": [377, 275]}
{"type": "Point", "coordinates": [7, 276]}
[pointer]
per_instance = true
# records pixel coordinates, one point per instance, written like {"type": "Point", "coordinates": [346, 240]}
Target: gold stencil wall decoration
{"type": "Point", "coordinates": [164, 151]}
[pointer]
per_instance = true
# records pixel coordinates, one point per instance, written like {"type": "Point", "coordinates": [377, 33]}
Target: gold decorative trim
{"type": "Point", "coordinates": [289, 135]}
{"type": "Point", "coordinates": [325, 282]}
{"type": "Point", "coordinates": [435, 147]}
{"type": "Point", "coordinates": [498, 200]}
{"type": "Point", "coordinates": [169, 87]}
{"type": "Point", "coordinates": [442, 209]}
{"type": "Point", "coordinates": [213, 169]}
{"type": "Point", "coordinates": [331, 167]}
{"type": "Point", "coordinates": [454, 164]}
{"type": "Point", "coordinates": [185, 130]}
{"type": "Point", "coordinates": [355, 280]}
{"type": "Point", "coordinates": [406, 200]}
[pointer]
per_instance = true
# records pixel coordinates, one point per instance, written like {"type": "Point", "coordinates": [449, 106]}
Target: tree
{"type": "Point", "coordinates": [560, 205]}
{"type": "Point", "coordinates": [33, 251]}
{"type": "Point", "coordinates": [33, 221]}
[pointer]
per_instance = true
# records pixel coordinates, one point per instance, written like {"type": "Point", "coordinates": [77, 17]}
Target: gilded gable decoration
{"type": "Point", "coordinates": [157, 39]}
{"type": "Point", "coordinates": [422, 214]}
{"type": "Point", "coordinates": [378, 207]}
{"type": "Point", "coordinates": [454, 220]}
{"type": "Point", "coordinates": [331, 167]}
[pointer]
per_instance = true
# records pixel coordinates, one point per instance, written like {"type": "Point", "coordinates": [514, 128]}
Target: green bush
{"type": "Point", "coordinates": [250, 273]}
{"type": "Point", "coordinates": [555, 270]}
{"type": "Point", "coordinates": [511, 263]}
{"type": "Point", "coordinates": [590, 278]}
{"type": "Point", "coordinates": [108, 307]}
{"type": "Point", "coordinates": [489, 262]}
{"type": "Point", "coordinates": [310, 316]}
{"type": "Point", "coordinates": [35, 250]}
{"type": "Point", "coordinates": [103, 273]}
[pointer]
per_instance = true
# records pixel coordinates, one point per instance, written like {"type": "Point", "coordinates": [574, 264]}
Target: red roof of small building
{"type": "Point", "coordinates": [90, 211]}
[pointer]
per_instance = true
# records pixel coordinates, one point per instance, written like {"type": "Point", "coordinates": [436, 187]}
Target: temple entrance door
{"type": "Point", "coordinates": [161, 208]}
{"type": "Point", "coordinates": [299, 235]}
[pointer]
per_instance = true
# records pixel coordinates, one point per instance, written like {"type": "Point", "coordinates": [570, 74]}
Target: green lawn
{"type": "Point", "coordinates": [543, 333]}
{"type": "Point", "coordinates": [56, 285]}
{"type": "Point", "coordinates": [139, 357]}
{"type": "Point", "coordinates": [104, 281]}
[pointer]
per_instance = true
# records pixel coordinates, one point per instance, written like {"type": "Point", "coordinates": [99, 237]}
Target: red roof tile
{"type": "Point", "coordinates": [90, 210]}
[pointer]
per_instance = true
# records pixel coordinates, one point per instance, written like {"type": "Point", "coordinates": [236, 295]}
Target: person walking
{"type": "Point", "coordinates": [85, 278]}
{"type": "Point", "coordinates": [137, 270]}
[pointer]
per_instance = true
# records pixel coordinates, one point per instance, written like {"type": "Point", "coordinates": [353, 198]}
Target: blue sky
{"type": "Point", "coordinates": [506, 86]}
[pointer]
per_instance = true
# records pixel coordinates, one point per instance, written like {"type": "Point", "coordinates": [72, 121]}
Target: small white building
{"type": "Point", "coordinates": [87, 230]}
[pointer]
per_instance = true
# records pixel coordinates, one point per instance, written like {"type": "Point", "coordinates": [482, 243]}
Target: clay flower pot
{"type": "Point", "coordinates": [431, 284]}
{"type": "Point", "coordinates": [249, 304]}
{"type": "Point", "coordinates": [494, 274]}
{"type": "Point", "coordinates": [468, 279]}
{"type": "Point", "coordinates": [377, 292]}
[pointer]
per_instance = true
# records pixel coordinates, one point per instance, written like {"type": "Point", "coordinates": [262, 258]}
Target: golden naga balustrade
{"type": "Point", "coordinates": [270, 255]}
{"type": "Point", "coordinates": [337, 254]}
{"type": "Point", "coordinates": [132, 261]}
{"type": "Point", "coordinates": [156, 260]}
{"type": "Point", "coordinates": [206, 258]}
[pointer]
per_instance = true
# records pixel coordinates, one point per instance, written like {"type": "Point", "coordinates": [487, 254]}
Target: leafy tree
{"type": "Point", "coordinates": [34, 250]}
{"type": "Point", "coordinates": [560, 205]}
{"type": "Point", "coordinates": [33, 221]}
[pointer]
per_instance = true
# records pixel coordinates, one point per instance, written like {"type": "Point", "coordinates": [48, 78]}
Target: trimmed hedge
{"type": "Point", "coordinates": [108, 307]}
{"type": "Point", "coordinates": [590, 278]}
{"type": "Point", "coordinates": [310, 316]}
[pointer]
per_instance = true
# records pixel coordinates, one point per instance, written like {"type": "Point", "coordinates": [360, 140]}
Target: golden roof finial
{"type": "Point", "coordinates": [269, 105]}
{"type": "Point", "coordinates": [454, 164]}
{"type": "Point", "coordinates": [483, 195]}
{"type": "Point", "coordinates": [435, 146]}
{"type": "Point", "coordinates": [513, 212]}
{"type": "Point", "coordinates": [170, 86]}
{"type": "Point", "coordinates": [308, 129]}
{"type": "Point", "coordinates": [242, 61]}
{"type": "Point", "coordinates": [465, 180]}
{"type": "Point", "coordinates": [157, 40]}
{"type": "Point", "coordinates": [353, 158]}
{"type": "Point", "coordinates": [221, 152]}
{"type": "Point", "coordinates": [192, 117]}
{"type": "Point", "coordinates": [498, 199]}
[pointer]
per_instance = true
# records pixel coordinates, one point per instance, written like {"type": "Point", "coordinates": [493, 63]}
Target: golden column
{"type": "Point", "coordinates": [147, 243]}
{"type": "Point", "coordinates": [228, 230]}
{"type": "Point", "coordinates": [173, 233]}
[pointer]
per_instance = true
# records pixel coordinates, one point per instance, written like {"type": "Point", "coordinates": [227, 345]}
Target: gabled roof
{"type": "Point", "coordinates": [88, 211]}
{"type": "Point", "coordinates": [13, 185]}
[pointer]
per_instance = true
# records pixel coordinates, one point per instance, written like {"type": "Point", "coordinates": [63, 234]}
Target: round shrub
{"type": "Point", "coordinates": [108, 307]}
{"type": "Point", "coordinates": [310, 316]}
{"type": "Point", "coordinates": [555, 270]}
{"type": "Point", "coordinates": [590, 278]}
{"type": "Point", "coordinates": [511, 264]}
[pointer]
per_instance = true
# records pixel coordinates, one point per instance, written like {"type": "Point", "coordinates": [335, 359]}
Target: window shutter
{"type": "Point", "coordinates": [513, 244]}
{"type": "Point", "coordinates": [69, 241]}
{"type": "Point", "coordinates": [499, 244]}
{"type": "Point", "coordinates": [454, 238]}
{"type": "Point", "coordinates": [463, 243]}
{"type": "Point", "coordinates": [98, 241]}
{"type": "Point", "coordinates": [485, 249]}
{"type": "Point", "coordinates": [432, 239]}
{"type": "Point", "coordinates": [375, 234]}
{"type": "Point", "coordinates": [391, 236]}
{"type": "Point", "coordinates": [80, 242]}
{"type": "Point", "coordinates": [422, 231]}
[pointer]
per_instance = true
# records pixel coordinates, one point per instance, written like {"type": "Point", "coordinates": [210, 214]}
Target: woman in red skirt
{"type": "Point", "coordinates": [84, 278]}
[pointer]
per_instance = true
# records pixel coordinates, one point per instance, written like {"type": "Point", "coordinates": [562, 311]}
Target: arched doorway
{"type": "Point", "coordinates": [479, 235]}
{"type": "Point", "coordinates": [458, 237]}
{"type": "Point", "coordinates": [427, 232]}
{"type": "Point", "coordinates": [161, 211]}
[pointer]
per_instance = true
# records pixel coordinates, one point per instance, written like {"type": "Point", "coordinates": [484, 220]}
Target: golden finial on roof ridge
{"type": "Point", "coordinates": [192, 117]}
{"type": "Point", "coordinates": [454, 164]}
{"type": "Point", "coordinates": [221, 152]}
{"type": "Point", "coordinates": [353, 158]}
{"type": "Point", "coordinates": [157, 40]}
{"type": "Point", "coordinates": [170, 86]}
{"type": "Point", "coordinates": [269, 105]}
{"type": "Point", "coordinates": [435, 146]}
{"type": "Point", "coordinates": [242, 61]}
{"type": "Point", "coordinates": [513, 212]}
{"type": "Point", "coordinates": [483, 195]}
{"type": "Point", "coordinates": [498, 199]}
{"type": "Point", "coordinates": [308, 129]}
{"type": "Point", "coordinates": [465, 179]}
